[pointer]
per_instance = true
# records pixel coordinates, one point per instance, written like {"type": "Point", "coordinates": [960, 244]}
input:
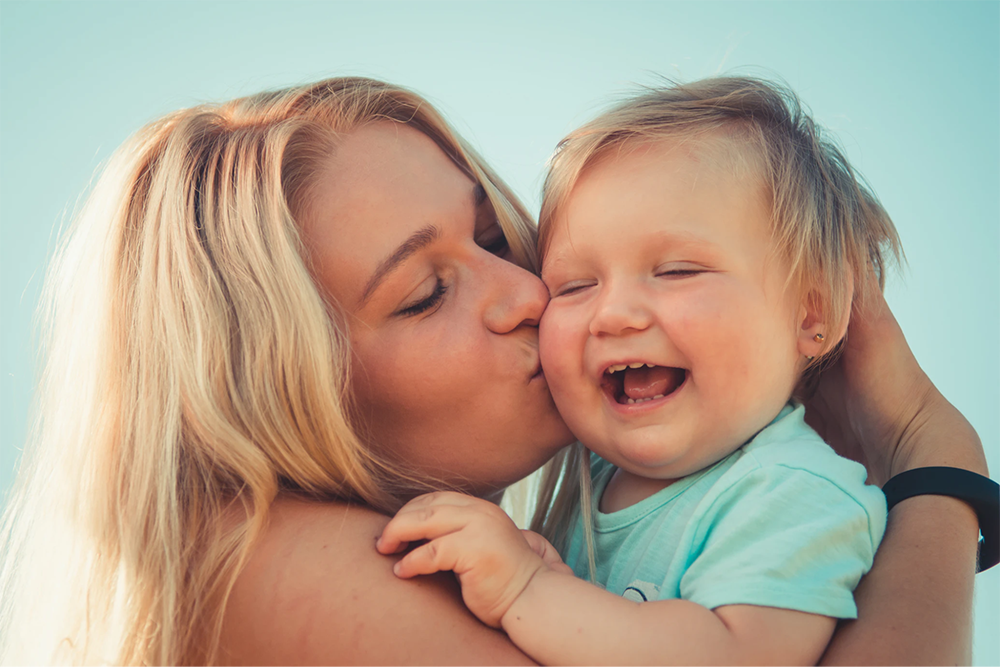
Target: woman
{"type": "Point", "coordinates": [279, 318]}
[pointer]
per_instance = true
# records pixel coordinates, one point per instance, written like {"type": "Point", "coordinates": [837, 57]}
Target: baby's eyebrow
{"type": "Point", "coordinates": [683, 239]}
{"type": "Point", "coordinates": [553, 262]}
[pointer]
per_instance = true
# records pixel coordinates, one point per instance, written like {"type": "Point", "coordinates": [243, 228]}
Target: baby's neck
{"type": "Point", "coordinates": [625, 489]}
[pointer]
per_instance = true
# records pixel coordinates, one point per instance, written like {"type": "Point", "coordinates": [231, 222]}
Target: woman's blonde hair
{"type": "Point", "coordinates": [194, 370]}
{"type": "Point", "coordinates": [824, 218]}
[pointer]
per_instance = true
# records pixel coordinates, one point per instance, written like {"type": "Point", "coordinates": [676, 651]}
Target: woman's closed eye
{"type": "Point", "coordinates": [493, 241]}
{"type": "Point", "coordinates": [424, 304]}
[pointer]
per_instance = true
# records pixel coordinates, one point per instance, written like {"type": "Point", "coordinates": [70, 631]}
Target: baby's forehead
{"type": "Point", "coordinates": [735, 149]}
{"type": "Point", "coordinates": [712, 199]}
{"type": "Point", "coordinates": [728, 156]}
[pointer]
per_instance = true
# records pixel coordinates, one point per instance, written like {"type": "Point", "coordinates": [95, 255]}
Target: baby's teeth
{"type": "Point", "coordinates": [633, 401]}
{"type": "Point", "coordinates": [615, 369]}
{"type": "Point", "coordinates": [638, 364]}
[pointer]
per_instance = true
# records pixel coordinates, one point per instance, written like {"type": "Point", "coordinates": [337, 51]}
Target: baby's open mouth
{"type": "Point", "coordinates": [640, 382]}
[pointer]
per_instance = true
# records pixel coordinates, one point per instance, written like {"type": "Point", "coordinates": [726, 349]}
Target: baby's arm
{"type": "Point", "coordinates": [559, 619]}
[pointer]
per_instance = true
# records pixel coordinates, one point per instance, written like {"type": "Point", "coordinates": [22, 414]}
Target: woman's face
{"type": "Point", "coordinates": [443, 327]}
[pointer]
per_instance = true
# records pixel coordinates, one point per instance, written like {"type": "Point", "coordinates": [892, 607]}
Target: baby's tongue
{"type": "Point", "coordinates": [648, 382]}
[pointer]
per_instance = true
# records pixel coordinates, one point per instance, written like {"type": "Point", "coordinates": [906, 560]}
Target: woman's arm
{"type": "Point", "coordinates": [877, 406]}
{"type": "Point", "coordinates": [316, 592]}
{"type": "Point", "coordinates": [915, 605]}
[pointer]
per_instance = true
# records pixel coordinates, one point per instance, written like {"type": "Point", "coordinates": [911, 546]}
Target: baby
{"type": "Point", "coordinates": [702, 246]}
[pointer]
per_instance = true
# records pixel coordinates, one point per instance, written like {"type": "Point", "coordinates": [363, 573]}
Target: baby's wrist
{"type": "Point", "coordinates": [519, 609]}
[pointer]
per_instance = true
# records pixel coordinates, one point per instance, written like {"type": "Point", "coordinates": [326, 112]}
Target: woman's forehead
{"type": "Point", "coordinates": [383, 183]}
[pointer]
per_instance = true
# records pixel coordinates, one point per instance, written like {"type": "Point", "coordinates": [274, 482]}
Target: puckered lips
{"type": "Point", "coordinates": [640, 382]}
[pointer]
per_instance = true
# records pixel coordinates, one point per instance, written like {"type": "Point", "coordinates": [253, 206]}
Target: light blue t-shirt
{"type": "Point", "coordinates": [782, 522]}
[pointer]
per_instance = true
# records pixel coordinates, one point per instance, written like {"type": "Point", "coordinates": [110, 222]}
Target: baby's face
{"type": "Point", "coordinates": [670, 338]}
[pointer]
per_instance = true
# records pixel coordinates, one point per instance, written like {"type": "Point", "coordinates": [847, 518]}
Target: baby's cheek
{"type": "Point", "coordinates": [561, 348]}
{"type": "Point", "coordinates": [554, 340]}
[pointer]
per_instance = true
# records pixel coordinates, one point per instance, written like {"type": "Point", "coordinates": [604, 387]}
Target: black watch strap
{"type": "Point", "coordinates": [981, 493]}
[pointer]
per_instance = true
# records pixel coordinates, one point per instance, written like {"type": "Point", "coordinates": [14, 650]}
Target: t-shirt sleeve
{"type": "Point", "coordinates": [788, 538]}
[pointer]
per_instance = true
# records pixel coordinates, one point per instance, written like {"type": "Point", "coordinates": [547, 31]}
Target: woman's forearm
{"type": "Point", "coordinates": [915, 606]}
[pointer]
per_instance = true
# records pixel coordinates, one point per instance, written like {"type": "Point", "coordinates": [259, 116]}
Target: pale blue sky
{"type": "Point", "coordinates": [911, 88]}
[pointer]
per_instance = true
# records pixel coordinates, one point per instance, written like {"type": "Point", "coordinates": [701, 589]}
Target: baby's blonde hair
{"type": "Point", "coordinates": [824, 219]}
{"type": "Point", "coordinates": [194, 370]}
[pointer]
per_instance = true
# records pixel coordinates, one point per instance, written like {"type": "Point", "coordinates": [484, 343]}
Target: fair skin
{"type": "Point", "coordinates": [428, 327]}
{"type": "Point", "coordinates": [314, 591]}
{"type": "Point", "coordinates": [656, 241]}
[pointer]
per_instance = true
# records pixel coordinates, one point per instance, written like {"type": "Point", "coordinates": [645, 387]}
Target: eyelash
{"type": "Point", "coordinates": [675, 273]}
{"type": "Point", "coordinates": [431, 301]}
{"type": "Point", "coordinates": [682, 273]}
{"type": "Point", "coordinates": [496, 247]}
{"type": "Point", "coordinates": [571, 290]}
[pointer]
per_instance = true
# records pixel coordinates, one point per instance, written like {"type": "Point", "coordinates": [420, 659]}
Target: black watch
{"type": "Point", "coordinates": [981, 493]}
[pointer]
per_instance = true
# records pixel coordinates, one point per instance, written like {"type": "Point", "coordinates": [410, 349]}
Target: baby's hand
{"type": "Point", "coordinates": [493, 559]}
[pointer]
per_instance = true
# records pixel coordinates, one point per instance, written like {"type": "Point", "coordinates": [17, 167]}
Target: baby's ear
{"type": "Point", "coordinates": [821, 325]}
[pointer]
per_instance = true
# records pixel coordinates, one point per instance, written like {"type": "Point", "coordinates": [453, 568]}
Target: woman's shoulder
{"type": "Point", "coordinates": [315, 591]}
{"type": "Point", "coordinates": [299, 527]}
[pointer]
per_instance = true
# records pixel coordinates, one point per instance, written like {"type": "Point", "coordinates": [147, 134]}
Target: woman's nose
{"type": "Point", "coordinates": [619, 309]}
{"type": "Point", "coordinates": [517, 297]}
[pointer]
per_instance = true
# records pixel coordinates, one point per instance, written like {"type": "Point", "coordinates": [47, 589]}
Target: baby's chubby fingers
{"type": "Point", "coordinates": [428, 517]}
{"type": "Point", "coordinates": [435, 556]}
{"type": "Point", "coordinates": [546, 551]}
{"type": "Point", "coordinates": [442, 498]}
{"type": "Point", "coordinates": [412, 526]}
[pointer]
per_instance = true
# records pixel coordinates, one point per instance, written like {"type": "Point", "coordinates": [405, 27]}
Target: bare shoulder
{"type": "Point", "coordinates": [315, 591]}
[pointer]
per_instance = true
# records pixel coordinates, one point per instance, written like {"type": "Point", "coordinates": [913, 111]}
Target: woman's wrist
{"type": "Point", "coordinates": [937, 435]}
{"type": "Point", "coordinates": [980, 493]}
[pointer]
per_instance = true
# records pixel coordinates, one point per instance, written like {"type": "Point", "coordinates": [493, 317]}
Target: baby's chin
{"type": "Point", "coordinates": [659, 451]}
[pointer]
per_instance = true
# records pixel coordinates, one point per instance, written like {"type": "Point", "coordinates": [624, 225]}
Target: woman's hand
{"type": "Point", "coordinates": [875, 405]}
{"type": "Point", "coordinates": [493, 559]}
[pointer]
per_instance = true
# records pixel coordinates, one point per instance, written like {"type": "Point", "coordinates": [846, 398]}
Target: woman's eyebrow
{"type": "Point", "coordinates": [415, 242]}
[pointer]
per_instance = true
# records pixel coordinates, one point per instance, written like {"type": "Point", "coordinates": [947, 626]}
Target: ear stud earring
{"type": "Point", "coordinates": [819, 338]}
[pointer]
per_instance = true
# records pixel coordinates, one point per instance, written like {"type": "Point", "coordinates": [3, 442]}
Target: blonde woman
{"type": "Point", "coordinates": [279, 318]}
